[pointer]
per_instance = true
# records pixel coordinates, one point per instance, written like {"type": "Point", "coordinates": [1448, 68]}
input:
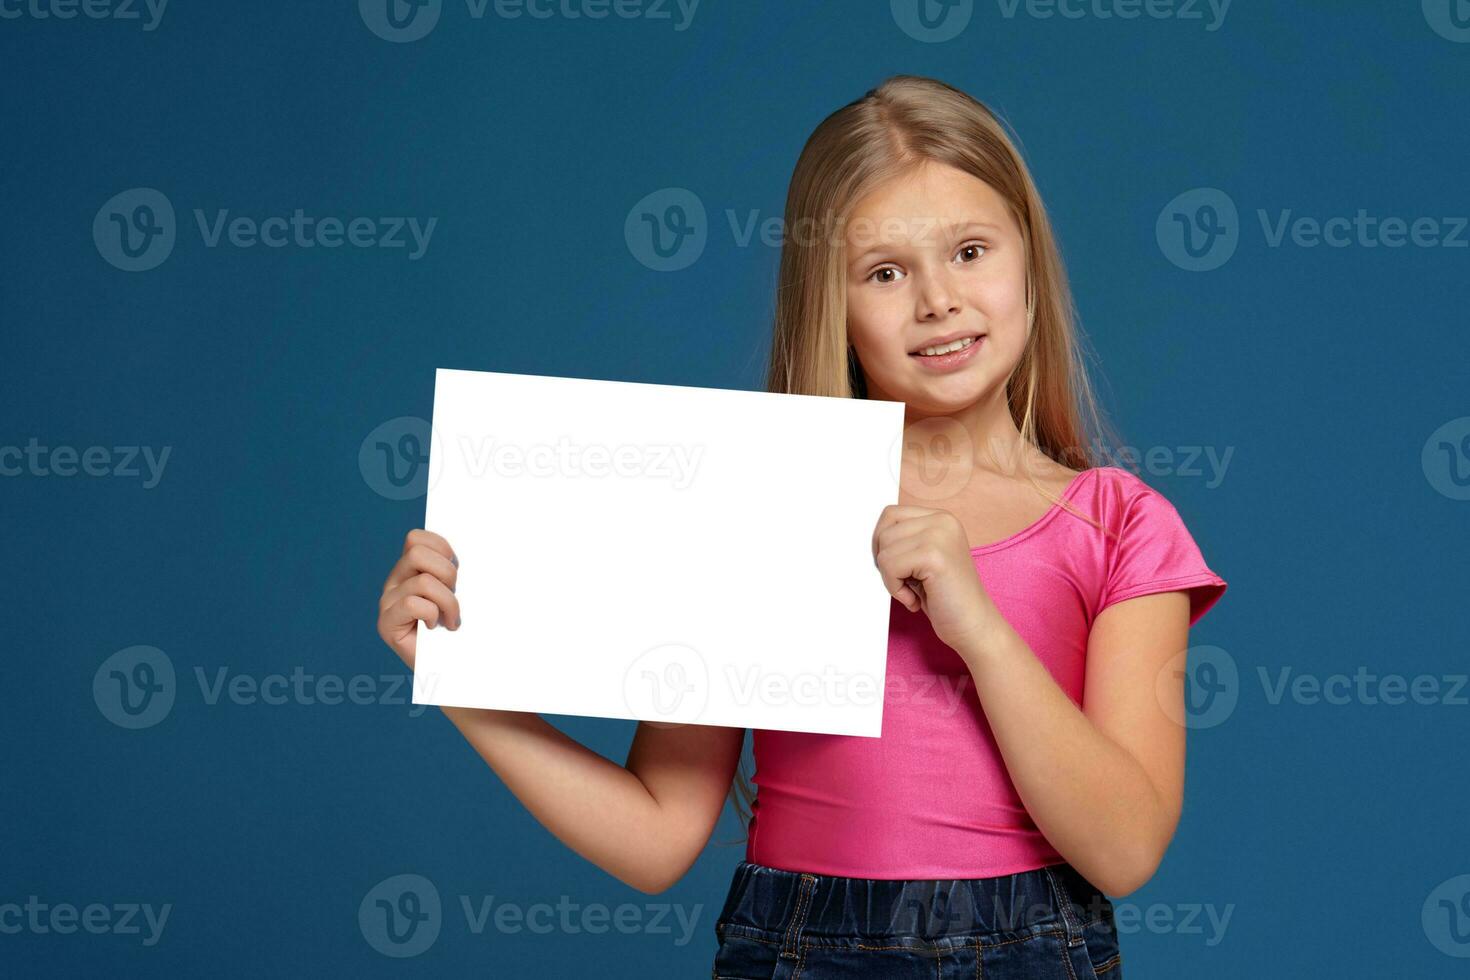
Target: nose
{"type": "Point", "coordinates": [937, 299]}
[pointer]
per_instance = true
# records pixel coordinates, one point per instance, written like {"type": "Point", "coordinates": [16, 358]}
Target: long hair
{"type": "Point", "coordinates": [907, 120]}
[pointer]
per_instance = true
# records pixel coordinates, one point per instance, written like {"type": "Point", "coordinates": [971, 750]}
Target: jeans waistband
{"type": "Point", "coordinates": [786, 906]}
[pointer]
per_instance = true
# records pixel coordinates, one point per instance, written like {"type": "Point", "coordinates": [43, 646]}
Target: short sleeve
{"type": "Point", "coordinates": [1156, 553]}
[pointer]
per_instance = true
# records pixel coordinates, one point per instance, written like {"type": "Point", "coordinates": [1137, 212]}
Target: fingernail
{"type": "Point", "coordinates": [454, 560]}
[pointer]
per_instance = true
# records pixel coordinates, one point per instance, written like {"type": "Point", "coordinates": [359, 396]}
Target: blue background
{"type": "Point", "coordinates": [1322, 828]}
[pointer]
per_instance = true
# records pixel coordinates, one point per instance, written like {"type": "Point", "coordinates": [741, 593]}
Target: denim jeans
{"type": "Point", "coordinates": [1044, 924]}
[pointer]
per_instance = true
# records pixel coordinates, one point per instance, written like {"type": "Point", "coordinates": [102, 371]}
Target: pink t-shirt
{"type": "Point", "coordinates": [931, 798]}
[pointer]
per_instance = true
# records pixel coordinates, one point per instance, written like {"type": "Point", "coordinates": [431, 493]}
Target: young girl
{"type": "Point", "coordinates": [979, 835]}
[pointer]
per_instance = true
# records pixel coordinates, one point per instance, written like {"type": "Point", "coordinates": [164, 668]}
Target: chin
{"type": "Point", "coordinates": [944, 396]}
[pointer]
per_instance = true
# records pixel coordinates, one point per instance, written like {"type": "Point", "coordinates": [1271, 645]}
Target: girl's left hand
{"type": "Point", "coordinates": [924, 558]}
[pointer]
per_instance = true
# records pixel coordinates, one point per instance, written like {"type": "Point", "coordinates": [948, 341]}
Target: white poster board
{"type": "Point", "coordinates": [661, 552]}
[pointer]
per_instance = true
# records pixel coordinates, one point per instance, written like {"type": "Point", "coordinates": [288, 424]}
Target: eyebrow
{"type": "Point", "coordinates": [954, 229]}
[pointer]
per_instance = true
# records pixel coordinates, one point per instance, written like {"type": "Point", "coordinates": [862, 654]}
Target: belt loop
{"type": "Point", "coordinates": [1070, 922]}
{"type": "Point", "coordinates": [798, 916]}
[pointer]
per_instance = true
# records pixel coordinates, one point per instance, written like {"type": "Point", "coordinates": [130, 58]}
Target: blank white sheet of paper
{"type": "Point", "coordinates": [661, 552]}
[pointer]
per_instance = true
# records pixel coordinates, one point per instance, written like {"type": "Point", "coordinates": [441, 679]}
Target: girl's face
{"type": "Point", "coordinates": [932, 257]}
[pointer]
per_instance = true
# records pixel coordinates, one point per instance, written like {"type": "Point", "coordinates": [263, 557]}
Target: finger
{"type": "Point", "coordinates": [897, 570]}
{"type": "Point", "coordinates": [420, 559]}
{"type": "Point", "coordinates": [418, 536]}
{"type": "Point", "coordinates": [899, 515]}
{"type": "Point", "coordinates": [404, 614]}
{"type": "Point", "coordinates": [430, 588]}
{"type": "Point", "coordinates": [902, 534]}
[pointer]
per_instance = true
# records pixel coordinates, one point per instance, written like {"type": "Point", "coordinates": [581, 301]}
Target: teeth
{"type": "Point", "coordinates": [953, 345]}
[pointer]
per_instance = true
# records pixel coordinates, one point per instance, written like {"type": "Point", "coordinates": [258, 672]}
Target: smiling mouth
{"type": "Point", "coordinates": [938, 350]}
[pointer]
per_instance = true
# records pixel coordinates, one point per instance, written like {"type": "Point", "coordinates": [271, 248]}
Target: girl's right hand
{"type": "Point", "coordinates": [420, 587]}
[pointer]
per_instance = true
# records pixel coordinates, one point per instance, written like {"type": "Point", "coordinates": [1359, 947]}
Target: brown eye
{"type": "Point", "coordinates": [969, 253]}
{"type": "Point", "coordinates": [880, 272]}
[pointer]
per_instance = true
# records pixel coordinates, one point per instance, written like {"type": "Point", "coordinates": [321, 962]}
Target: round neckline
{"type": "Point", "coordinates": [1040, 522]}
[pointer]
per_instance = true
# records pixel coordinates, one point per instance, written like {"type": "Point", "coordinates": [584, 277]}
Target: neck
{"type": "Point", "coordinates": [995, 442]}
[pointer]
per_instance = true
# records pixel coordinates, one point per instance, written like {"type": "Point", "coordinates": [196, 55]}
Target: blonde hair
{"type": "Point", "coordinates": [905, 121]}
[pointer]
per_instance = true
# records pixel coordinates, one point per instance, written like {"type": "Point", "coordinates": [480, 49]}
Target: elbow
{"type": "Point", "coordinates": [657, 878]}
{"type": "Point", "coordinates": [1131, 869]}
{"type": "Point", "coordinates": [1123, 881]}
{"type": "Point", "coordinates": [648, 885]}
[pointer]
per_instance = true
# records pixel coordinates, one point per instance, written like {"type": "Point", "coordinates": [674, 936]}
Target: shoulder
{"type": "Point", "coordinates": [1124, 502]}
{"type": "Point", "coordinates": [1116, 487]}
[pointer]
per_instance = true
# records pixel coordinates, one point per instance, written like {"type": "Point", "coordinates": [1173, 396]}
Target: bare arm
{"type": "Point", "coordinates": [1106, 783]}
{"type": "Point", "coordinates": [645, 822]}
